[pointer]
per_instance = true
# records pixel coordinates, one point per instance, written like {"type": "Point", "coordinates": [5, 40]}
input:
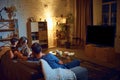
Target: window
{"type": "Point", "coordinates": [109, 10]}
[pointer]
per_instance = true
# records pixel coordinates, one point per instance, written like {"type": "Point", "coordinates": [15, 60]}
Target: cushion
{"type": "Point", "coordinates": [56, 74]}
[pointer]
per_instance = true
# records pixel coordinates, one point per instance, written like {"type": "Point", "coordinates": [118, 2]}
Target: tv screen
{"type": "Point", "coordinates": [100, 35]}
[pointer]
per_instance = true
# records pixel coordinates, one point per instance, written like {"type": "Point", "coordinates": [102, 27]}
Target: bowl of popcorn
{"type": "Point", "coordinates": [71, 54]}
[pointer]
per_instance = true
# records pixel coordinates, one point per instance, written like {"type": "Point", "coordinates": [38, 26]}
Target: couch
{"type": "Point", "coordinates": [24, 70]}
{"type": "Point", "coordinates": [17, 69]}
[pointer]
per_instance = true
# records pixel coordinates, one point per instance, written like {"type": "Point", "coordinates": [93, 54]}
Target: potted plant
{"type": "Point", "coordinates": [63, 30]}
{"type": "Point", "coordinates": [10, 10]}
{"type": "Point", "coordinates": [69, 20]}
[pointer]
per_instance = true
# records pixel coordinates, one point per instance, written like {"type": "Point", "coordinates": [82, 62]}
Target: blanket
{"type": "Point", "coordinates": [56, 74]}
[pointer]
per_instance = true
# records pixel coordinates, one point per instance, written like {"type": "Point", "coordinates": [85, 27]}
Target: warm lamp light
{"type": "Point", "coordinates": [63, 20]}
{"type": "Point", "coordinates": [50, 24]}
{"type": "Point", "coordinates": [49, 19]}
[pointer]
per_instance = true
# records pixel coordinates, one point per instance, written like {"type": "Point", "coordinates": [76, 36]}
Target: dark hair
{"type": "Point", "coordinates": [13, 40]}
{"type": "Point", "coordinates": [36, 48]}
{"type": "Point", "coordinates": [22, 40]}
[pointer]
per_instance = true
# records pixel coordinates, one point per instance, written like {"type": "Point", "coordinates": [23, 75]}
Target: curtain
{"type": "Point", "coordinates": [83, 18]}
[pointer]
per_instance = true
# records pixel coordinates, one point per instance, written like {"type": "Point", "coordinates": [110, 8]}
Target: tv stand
{"type": "Point", "coordinates": [100, 53]}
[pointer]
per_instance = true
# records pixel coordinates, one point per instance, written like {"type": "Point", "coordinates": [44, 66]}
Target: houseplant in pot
{"type": "Point", "coordinates": [63, 31]}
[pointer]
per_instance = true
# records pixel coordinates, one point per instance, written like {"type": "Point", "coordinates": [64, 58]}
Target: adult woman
{"type": "Point", "coordinates": [22, 47]}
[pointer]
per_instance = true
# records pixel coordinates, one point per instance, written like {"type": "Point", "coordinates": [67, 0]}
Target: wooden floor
{"type": "Point", "coordinates": [80, 53]}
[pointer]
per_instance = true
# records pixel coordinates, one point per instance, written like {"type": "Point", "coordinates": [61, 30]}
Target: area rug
{"type": "Point", "coordinates": [98, 72]}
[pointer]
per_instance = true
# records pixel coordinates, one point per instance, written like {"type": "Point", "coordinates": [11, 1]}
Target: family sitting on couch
{"type": "Point", "coordinates": [51, 67]}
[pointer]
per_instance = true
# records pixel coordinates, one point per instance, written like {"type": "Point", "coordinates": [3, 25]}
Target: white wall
{"type": "Point", "coordinates": [38, 9]}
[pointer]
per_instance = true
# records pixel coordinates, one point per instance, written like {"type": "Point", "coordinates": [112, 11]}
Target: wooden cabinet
{"type": "Point", "coordinates": [37, 32]}
{"type": "Point", "coordinates": [8, 29]}
{"type": "Point", "coordinates": [104, 54]}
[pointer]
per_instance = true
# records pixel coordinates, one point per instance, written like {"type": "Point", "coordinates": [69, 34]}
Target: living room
{"type": "Point", "coordinates": [75, 14]}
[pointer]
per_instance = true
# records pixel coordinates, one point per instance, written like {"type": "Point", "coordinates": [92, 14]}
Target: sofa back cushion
{"type": "Point", "coordinates": [31, 64]}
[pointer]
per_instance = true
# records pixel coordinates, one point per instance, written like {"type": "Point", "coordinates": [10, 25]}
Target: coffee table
{"type": "Point", "coordinates": [65, 56]}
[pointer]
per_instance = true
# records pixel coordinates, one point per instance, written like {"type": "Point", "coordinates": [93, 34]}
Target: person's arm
{"type": "Point", "coordinates": [28, 50]}
{"type": "Point", "coordinates": [60, 62]}
{"type": "Point", "coordinates": [11, 54]}
{"type": "Point", "coordinates": [56, 59]}
{"type": "Point", "coordinates": [20, 55]}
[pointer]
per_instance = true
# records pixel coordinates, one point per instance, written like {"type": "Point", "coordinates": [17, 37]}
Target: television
{"type": "Point", "coordinates": [100, 35]}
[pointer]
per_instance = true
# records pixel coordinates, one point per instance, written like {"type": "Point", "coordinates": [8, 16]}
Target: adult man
{"type": "Point", "coordinates": [52, 60]}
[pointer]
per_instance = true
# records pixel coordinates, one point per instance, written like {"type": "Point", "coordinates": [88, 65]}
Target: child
{"type": "Point", "coordinates": [13, 42]}
{"type": "Point", "coordinates": [13, 50]}
{"type": "Point", "coordinates": [20, 50]}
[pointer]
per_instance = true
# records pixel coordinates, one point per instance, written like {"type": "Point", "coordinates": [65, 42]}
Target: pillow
{"type": "Point", "coordinates": [56, 74]}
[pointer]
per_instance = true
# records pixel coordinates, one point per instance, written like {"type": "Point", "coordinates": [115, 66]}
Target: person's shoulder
{"type": "Point", "coordinates": [30, 59]}
{"type": "Point", "coordinates": [33, 59]}
{"type": "Point", "coordinates": [49, 54]}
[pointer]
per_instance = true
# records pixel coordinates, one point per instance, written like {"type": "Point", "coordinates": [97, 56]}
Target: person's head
{"type": "Point", "coordinates": [36, 48]}
{"type": "Point", "coordinates": [14, 41]}
{"type": "Point", "coordinates": [23, 40]}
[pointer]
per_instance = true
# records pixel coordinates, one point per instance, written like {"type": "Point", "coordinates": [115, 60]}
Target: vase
{"type": "Point", "coordinates": [10, 16]}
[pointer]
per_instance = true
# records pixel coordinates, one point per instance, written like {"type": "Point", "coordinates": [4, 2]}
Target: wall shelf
{"type": "Point", "coordinates": [8, 20]}
{"type": "Point", "coordinates": [8, 29]}
{"type": "Point", "coordinates": [4, 30]}
{"type": "Point", "coordinates": [7, 39]}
